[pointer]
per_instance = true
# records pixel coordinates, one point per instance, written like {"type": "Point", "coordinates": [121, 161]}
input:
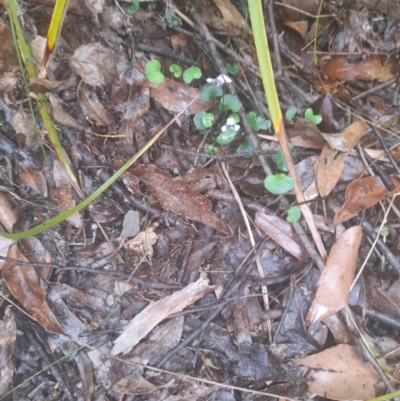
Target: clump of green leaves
{"type": "Point", "coordinates": [210, 149]}
{"type": "Point", "coordinates": [176, 70]}
{"type": "Point", "coordinates": [258, 123]}
{"type": "Point", "coordinates": [202, 121]}
{"type": "Point", "coordinates": [153, 72]}
{"type": "Point", "coordinates": [210, 92]}
{"type": "Point", "coordinates": [279, 184]}
{"type": "Point", "coordinates": [133, 7]}
{"type": "Point", "coordinates": [314, 118]}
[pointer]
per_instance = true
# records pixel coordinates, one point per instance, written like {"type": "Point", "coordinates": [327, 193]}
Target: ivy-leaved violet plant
{"type": "Point", "coordinates": [153, 72]}
{"type": "Point", "coordinates": [310, 116]}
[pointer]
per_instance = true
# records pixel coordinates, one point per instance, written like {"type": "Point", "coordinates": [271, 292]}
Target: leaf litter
{"type": "Point", "coordinates": [116, 294]}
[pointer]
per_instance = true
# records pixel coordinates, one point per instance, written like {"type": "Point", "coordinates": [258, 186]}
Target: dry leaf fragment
{"type": "Point", "coordinates": [330, 164]}
{"type": "Point", "coordinates": [156, 312]}
{"type": "Point", "coordinates": [282, 233]}
{"type": "Point", "coordinates": [360, 194]}
{"type": "Point", "coordinates": [95, 64]}
{"type": "Point", "coordinates": [8, 216]}
{"type": "Point", "coordinates": [176, 96]}
{"type": "Point", "coordinates": [368, 70]}
{"type": "Point", "coordinates": [337, 276]}
{"type": "Point", "coordinates": [143, 242]}
{"type": "Point", "coordinates": [340, 373]}
{"type": "Point", "coordinates": [178, 197]}
{"type": "Point", "coordinates": [23, 283]}
{"type": "Point", "coordinates": [33, 179]}
{"type": "Point", "coordinates": [8, 335]}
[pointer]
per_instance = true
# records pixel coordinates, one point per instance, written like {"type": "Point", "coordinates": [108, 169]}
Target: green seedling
{"type": "Point", "coordinates": [190, 74]}
{"type": "Point", "coordinates": [175, 170]}
{"type": "Point", "coordinates": [314, 118]}
{"type": "Point", "coordinates": [210, 92]}
{"type": "Point", "coordinates": [133, 7]}
{"type": "Point", "coordinates": [384, 233]}
{"type": "Point", "coordinates": [293, 214]}
{"type": "Point", "coordinates": [229, 103]}
{"type": "Point", "coordinates": [210, 149]}
{"type": "Point", "coordinates": [232, 68]}
{"type": "Point", "coordinates": [291, 113]}
{"type": "Point", "coordinates": [176, 70]}
{"type": "Point", "coordinates": [279, 184]}
{"type": "Point", "coordinates": [279, 159]}
{"type": "Point", "coordinates": [258, 123]}
{"type": "Point", "coordinates": [235, 117]}
{"type": "Point", "coordinates": [138, 54]}
{"type": "Point", "coordinates": [203, 120]}
{"type": "Point", "coordinates": [171, 17]}
{"type": "Point", "coordinates": [153, 72]}
{"type": "Point", "coordinates": [229, 131]}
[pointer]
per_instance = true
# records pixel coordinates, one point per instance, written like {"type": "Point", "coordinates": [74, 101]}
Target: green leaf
{"type": "Point", "coordinates": [190, 74]}
{"type": "Point", "coordinates": [153, 72]}
{"type": "Point", "coordinates": [133, 7]}
{"type": "Point", "coordinates": [235, 117]}
{"type": "Point", "coordinates": [278, 184]}
{"type": "Point", "coordinates": [293, 214]}
{"type": "Point", "coordinates": [258, 123]}
{"type": "Point", "coordinates": [207, 119]}
{"type": "Point", "coordinates": [176, 70]}
{"type": "Point", "coordinates": [198, 120]}
{"type": "Point", "coordinates": [138, 54]}
{"type": "Point", "coordinates": [291, 113]}
{"type": "Point", "coordinates": [226, 137]}
{"type": "Point", "coordinates": [232, 68]}
{"type": "Point", "coordinates": [314, 118]}
{"type": "Point", "coordinates": [210, 149]}
{"type": "Point", "coordinates": [384, 233]}
{"type": "Point", "coordinates": [210, 91]}
{"type": "Point", "coordinates": [171, 18]}
{"type": "Point", "coordinates": [279, 159]}
{"type": "Point", "coordinates": [245, 146]}
{"type": "Point", "coordinates": [229, 102]}
{"type": "Point", "coordinates": [175, 170]}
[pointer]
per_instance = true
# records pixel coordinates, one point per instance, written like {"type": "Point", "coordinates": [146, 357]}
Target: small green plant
{"type": "Point", "coordinates": [384, 233]}
{"type": "Point", "coordinates": [176, 70]}
{"type": "Point", "coordinates": [258, 123]}
{"type": "Point", "coordinates": [171, 18]}
{"type": "Point", "coordinates": [293, 214]}
{"type": "Point", "coordinates": [210, 91]}
{"type": "Point", "coordinates": [278, 184]}
{"type": "Point", "coordinates": [175, 170]}
{"type": "Point", "coordinates": [314, 118]}
{"type": "Point", "coordinates": [138, 54]}
{"type": "Point", "coordinates": [190, 74]}
{"type": "Point", "coordinates": [210, 149]}
{"type": "Point", "coordinates": [229, 132]}
{"type": "Point", "coordinates": [202, 121]}
{"type": "Point", "coordinates": [229, 103]}
{"type": "Point", "coordinates": [279, 159]}
{"type": "Point", "coordinates": [133, 7]}
{"type": "Point", "coordinates": [232, 68]}
{"type": "Point", "coordinates": [291, 113]}
{"type": "Point", "coordinates": [153, 72]}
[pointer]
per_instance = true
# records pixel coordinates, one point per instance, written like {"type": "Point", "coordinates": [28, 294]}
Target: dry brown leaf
{"type": "Point", "coordinates": [282, 233]}
{"type": "Point", "coordinates": [295, 14]}
{"type": "Point", "coordinates": [7, 216]}
{"type": "Point", "coordinates": [156, 312]}
{"type": "Point", "coordinates": [33, 179]}
{"type": "Point", "coordinates": [23, 283]}
{"type": "Point", "coordinates": [59, 115]}
{"type": "Point", "coordinates": [8, 335]}
{"type": "Point", "coordinates": [337, 276]}
{"type": "Point", "coordinates": [368, 70]}
{"type": "Point", "coordinates": [330, 164]}
{"type": "Point", "coordinates": [360, 194]}
{"type": "Point", "coordinates": [92, 107]}
{"type": "Point", "coordinates": [8, 59]}
{"type": "Point", "coordinates": [175, 97]}
{"type": "Point", "coordinates": [301, 27]}
{"type": "Point", "coordinates": [340, 373]}
{"type": "Point", "coordinates": [64, 194]}
{"type": "Point", "coordinates": [178, 197]}
{"type": "Point", "coordinates": [143, 242]}
{"type": "Point", "coordinates": [95, 64]}
{"type": "Point", "coordinates": [23, 124]}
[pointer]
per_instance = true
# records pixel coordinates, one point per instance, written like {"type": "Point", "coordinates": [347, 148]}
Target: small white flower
{"type": "Point", "coordinates": [220, 80]}
{"type": "Point", "coordinates": [230, 124]}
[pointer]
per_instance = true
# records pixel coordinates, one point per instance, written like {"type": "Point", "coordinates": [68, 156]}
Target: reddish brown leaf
{"type": "Point", "coordinates": [7, 216]}
{"type": "Point", "coordinates": [178, 197]}
{"type": "Point", "coordinates": [367, 70]}
{"type": "Point", "coordinates": [176, 96]}
{"type": "Point", "coordinates": [330, 164]}
{"type": "Point", "coordinates": [23, 283]}
{"type": "Point", "coordinates": [337, 276]}
{"type": "Point", "coordinates": [157, 311]}
{"type": "Point", "coordinates": [282, 233]}
{"type": "Point", "coordinates": [360, 194]}
{"type": "Point", "coordinates": [33, 179]}
{"type": "Point", "coordinates": [340, 373]}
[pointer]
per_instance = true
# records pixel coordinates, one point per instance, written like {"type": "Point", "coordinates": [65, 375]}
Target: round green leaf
{"type": "Point", "coordinates": [258, 123]}
{"type": "Point", "coordinates": [207, 119]}
{"type": "Point", "coordinates": [176, 70]}
{"type": "Point", "coordinates": [384, 233]}
{"type": "Point", "coordinates": [210, 91]}
{"type": "Point", "coordinates": [226, 137]}
{"type": "Point", "coordinates": [279, 160]}
{"type": "Point", "coordinates": [190, 74]}
{"type": "Point", "coordinates": [153, 72]}
{"type": "Point", "coordinates": [133, 7]}
{"type": "Point", "coordinates": [245, 146]}
{"type": "Point", "coordinates": [198, 120]}
{"type": "Point", "coordinates": [232, 68]}
{"type": "Point", "coordinates": [278, 184]}
{"type": "Point", "coordinates": [314, 118]}
{"type": "Point", "coordinates": [229, 102]}
{"type": "Point", "coordinates": [235, 117]}
{"type": "Point", "coordinates": [290, 113]}
{"type": "Point", "coordinates": [210, 149]}
{"type": "Point", "coordinates": [293, 214]}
